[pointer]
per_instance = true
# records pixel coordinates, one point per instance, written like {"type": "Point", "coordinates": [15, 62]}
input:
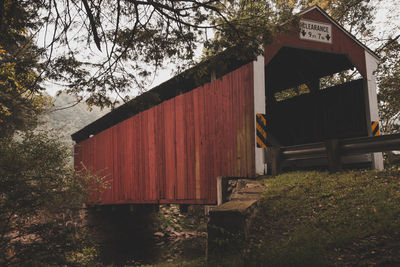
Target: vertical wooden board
{"type": "Point", "coordinates": [122, 160]}
{"type": "Point", "coordinates": [160, 148]}
{"type": "Point", "coordinates": [236, 114]}
{"type": "Point", "coordinates": [116, 172]}
{"type": "Point", "coordinates": [145, 142]}
{"type": "Point", "coordinates": [190, 146]}
{"type": "Point", "coordinates": [180, 147]}
{"type": "Point", "coordinates": [218, 124]}
{"type": "Point", "coordinates": [133, 183]}
{"type": "Point", "coordinates": [90, 154]}
{"type": "Point", "coordinates": [206, 141]}
{"type": "Point", "coordinates": [193, 146]}
{"type": "Point", "coordinates": [248, 102]}
{"type": "Point", "coordinates": [205, 146]}
{"type": "Point", "coordinates": [128, 161]}
{"type": "Point", "coordinates": [221, 128]}
{"type": "Point", "coordinates": [151, 155]}
{"type": "Point", "coordinates": [197, 142]}
{"type": "Point", "coordinates": [141, 184]}
{"type": "Point", "coordinates": [88, 158]}
{"type": "Point", "coordinates": [232, 131]}
{"type": "Point", "coordinates": [250, 123]}
{"type": "Point", "coordinates": [229, 128]}
{"type": "Point", "coordinates": [226, 128]}
{"type": "Point", "coordinates": [110, 159]}
{"type": "Point", "coordinates": [128, 186]}
{"type": "Point", "coordinates": [101, 158]}
{"type": "Point", "coordinates": [224, 131]}
{"type": "Point", "coordinates": [95, 166]}
{"type": "Point", "coordinates": [213, 143]}
{"type": "Point", "coordinates": [217, 138]}
{"type": "Point", "coordinates": [210, 135]}
{"type": "Point", "coordinates": [142, 181]}
{"type": "Point", "coordinates": [203, 141]}
{"type": "Point", "coordinates": [101, 164]}
{"type": "Point", "coordinates": [117, 151]}
{"type": "Point", "coordinates": [170, 151]}
{"type": "Point", "coordinates": [186, 163]}
{"type": "Point", "coordinates": [93, 159]}
{"type": "Point", "coordinates": [138, 158]}
{"type": "Point", "coordinates": [135, 158]}
{"type": "Point", "coordinates": [142, 177]}
{"type": "Point", "coordinates": [242, 89]}
{"type": "Point", "coordinates": [232, 136]}
{"type": "Point", "coordinates": [127, 146]}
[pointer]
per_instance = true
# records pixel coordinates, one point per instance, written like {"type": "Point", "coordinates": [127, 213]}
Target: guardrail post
{"type": "Point", "coordinates": [334, 158]}
{"type": "Point", "coordinates": [275, 160]}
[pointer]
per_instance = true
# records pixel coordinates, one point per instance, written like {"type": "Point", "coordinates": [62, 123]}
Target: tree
{"type": "Point", "coordinates": [389, 86]}
{"type": "Point", "coordinates": [41, 200]}
{"type": "Point", "coordinates": [40, 193]}
{"type": "Point", "coordinates": [132, 38]}
{"type": "Point", "coordinates": [21, 98]}
{"type": "Point", "coordinates": [246, 28]}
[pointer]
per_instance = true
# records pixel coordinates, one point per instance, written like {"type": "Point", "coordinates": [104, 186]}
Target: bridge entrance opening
{"type": "Point", "coordinates": [313, 96]}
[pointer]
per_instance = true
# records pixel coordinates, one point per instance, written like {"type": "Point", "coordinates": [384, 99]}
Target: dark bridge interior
{"type": "Point", "coordinates": [303, 106]}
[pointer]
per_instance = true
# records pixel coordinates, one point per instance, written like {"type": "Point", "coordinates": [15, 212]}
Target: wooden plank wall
{"type": "Point", "coordinates": [341, 43]}
{"type": "Point", "coordinates": [173, 152]}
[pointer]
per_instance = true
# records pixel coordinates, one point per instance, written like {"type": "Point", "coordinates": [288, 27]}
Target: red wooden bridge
{"type": "Point", "coordinates": [172, 150]}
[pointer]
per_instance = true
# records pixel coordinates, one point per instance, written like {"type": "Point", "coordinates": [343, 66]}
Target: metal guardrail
{"type": "Point", "coordinates": [370, 144]}
{"type": "Point", "coordinates": [333, 150]}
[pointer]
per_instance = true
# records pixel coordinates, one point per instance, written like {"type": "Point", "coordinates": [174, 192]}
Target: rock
{"type": "Point", "coordinates": [176, 233]}
{"type": "Point", "coordinates": [159, 234]}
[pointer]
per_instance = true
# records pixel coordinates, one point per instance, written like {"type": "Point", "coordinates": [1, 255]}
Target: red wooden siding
{"type": "Point", "coordinates": [173, 152]}
{"type": "Point", "coordinates": [341, 43]}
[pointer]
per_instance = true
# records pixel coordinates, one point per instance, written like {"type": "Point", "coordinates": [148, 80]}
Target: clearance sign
{"type": "Point", "coordinates": [315, 31]}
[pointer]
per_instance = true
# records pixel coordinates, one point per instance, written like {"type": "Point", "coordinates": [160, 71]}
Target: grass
{"type": "Point", "coordinates": [321, 219]}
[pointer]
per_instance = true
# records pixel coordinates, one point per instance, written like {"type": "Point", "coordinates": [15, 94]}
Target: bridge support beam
{"type": "Point", "coordinates": [371, 104]}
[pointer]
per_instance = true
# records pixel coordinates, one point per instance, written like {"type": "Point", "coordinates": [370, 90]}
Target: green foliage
{"type": "Point", "coordinates": [321, 218]}
{"type": "Point", "coordinates": [20, 93]}
{"type": "Point", "coordinates": [41, 196]}
{"type": "Point", "coordinates": [41, 202]}
{"type": "Point", "coordinates": [389, 87]}
{"type": "Point", "coordinates": [246, 27]}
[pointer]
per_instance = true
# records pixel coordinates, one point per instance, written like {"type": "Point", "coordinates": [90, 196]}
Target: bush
{"type": "Point", "coordinates": [41, 203]}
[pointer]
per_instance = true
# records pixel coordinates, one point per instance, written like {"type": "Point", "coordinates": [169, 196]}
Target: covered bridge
{"type": "Point", "coordinates": [170, 144]}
